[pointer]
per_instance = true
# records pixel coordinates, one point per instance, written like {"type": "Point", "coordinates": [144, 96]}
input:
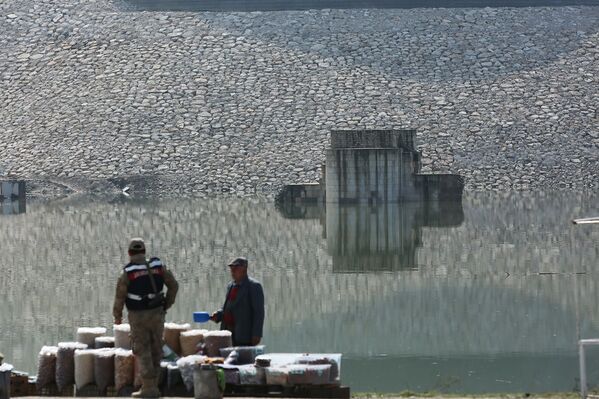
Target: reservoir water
{"type": "Point", "coordinates": [490, 295]}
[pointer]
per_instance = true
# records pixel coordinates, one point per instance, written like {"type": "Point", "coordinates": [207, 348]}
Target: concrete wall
{"type": "Point", "coordinates": [12, 197]}
{"type": "Point", "coordinates": [376, 166]}
{"type": "Point", "coordinates": [401, 138]}
{"type": "Point", "coordinates": [304, 193]}
{"type": "Point", "coordinates": [439, 187]}
{"type": "Point", "coordinates": [11, 189]}
{"type": "Point", "coordinates": [369, 175]}
{"type": "Point", "coordinates": [300, 201]}
{"type": "Point", "coordinates": [372, 167]}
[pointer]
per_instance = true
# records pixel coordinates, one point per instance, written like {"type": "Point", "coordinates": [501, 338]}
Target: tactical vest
{"type": "Point", "coordinates": [140, 288]}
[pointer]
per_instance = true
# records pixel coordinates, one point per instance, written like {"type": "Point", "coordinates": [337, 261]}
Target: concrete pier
{"type": "Point", "coordinates": [373, 201]}
{"type": "Point", "coordinates": [374, 167]}
{"type": "Point", "coordinates": [382, 166]}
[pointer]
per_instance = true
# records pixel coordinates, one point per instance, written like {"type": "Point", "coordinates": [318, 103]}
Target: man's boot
{"type": "Point", "coordinates": [155, 391]}
{"type": "Point", "coordinates": [149, 389]}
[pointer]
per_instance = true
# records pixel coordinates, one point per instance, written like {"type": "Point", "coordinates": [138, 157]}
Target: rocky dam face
{"type": "Point", "coordinates": [244, 102]}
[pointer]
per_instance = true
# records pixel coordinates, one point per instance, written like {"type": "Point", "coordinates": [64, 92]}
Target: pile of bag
{"type": "Point", "coordinates": [300, 369]}
{"type": "Point", "coordinates": [103, 361]}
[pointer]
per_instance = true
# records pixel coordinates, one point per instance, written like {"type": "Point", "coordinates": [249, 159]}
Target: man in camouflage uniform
{"type": "Point", "coordinates": [146, 317]}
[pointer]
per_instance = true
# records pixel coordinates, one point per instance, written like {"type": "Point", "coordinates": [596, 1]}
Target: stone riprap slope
{"type": "Point", "coordinates": [244, 102]}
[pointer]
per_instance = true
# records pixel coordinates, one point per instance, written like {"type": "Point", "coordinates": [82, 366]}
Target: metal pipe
{"type": "Point", "coordinates": [586, 220]}
{"type": "Point", "coordinates": [583, 371]}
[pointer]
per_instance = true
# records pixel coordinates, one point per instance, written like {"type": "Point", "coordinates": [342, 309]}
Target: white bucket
{"type": "Point", "coordinates": [205, 382]}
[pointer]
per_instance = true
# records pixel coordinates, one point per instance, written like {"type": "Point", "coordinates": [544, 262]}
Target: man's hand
{"type": "Point", "coordinates": [118, 321]}
{"type": "Point", "coordinates": [255, 340]}
{"type": "Point", "coordinates": [214, 316]}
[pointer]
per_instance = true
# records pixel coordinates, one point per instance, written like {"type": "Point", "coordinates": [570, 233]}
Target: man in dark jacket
{"type": "Point", "coordinates": [243, 311]}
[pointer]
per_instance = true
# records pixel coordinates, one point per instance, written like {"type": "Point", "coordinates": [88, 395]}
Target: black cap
{"type": "Point", "coordinates": [137, 244]}
{"type": "Point", "coordinates": [239, 262]}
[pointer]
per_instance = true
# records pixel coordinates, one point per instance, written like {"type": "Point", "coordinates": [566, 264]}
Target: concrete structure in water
{"type": "Point", "coordinates": [12, 197]}
{"type": "Point", "coordinates": [374, 167]}
{"type": "Point", "coordinates": [372, 200]}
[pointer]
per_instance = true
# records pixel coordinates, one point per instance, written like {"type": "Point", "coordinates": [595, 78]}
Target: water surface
{"type": "Point", "coordinates": [485, 296]}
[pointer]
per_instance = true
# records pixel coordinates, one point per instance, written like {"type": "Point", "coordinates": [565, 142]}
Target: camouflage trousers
{"type": "Point", "coordinates": [146, 336]}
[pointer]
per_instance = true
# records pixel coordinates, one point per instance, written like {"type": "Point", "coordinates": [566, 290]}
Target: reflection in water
{"type": "Point", "coordinates": [474, 314]}
{"type": "Point", "coordinates": [385, 237]}
{"type": "Point", "coordinates": [13, 207]}
{"type": "Point", "coordinates": [12, 197]}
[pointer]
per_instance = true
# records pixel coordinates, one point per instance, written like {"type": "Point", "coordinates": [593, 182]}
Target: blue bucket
{"type": "Point", "coordinates": [201, 317]}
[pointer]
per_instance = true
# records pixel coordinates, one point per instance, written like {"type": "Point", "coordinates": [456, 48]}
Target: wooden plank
{"type": "Point", "coordinates": [88, 391]}
{"type": "Point", "coordinates": [52, 390]}
{"type": "Point", "coordinates": [298, 391]}
{"type": "Point", "coordinates": [252, 391]}
{"type": "Point", "coordinates": [178, 391]}
{"type": "Point", "coordinates": [321, 392]}
{"type": "Point", "coordinates": [19, 385]}
{"type": "Point", "coordinates": [92, 390]}
{"type": "Point", "coordinates": [125, 391]}
{"type": "Point", "coordinates": [30, 389]}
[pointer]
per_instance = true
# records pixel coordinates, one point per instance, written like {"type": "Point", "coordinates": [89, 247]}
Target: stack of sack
{"type": "Point", "coordinates": [46, 366]}
{"type": "Point", "coordinates": [172, 335]}
{"type": "Point", "coordinates": [104, 362]}
{"type": "Point", "coordinates": [191, 340]}
{"type": "Point", "coordinates": [65, 363]}
{"type": "Point", "coordinates": [121, 336]}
